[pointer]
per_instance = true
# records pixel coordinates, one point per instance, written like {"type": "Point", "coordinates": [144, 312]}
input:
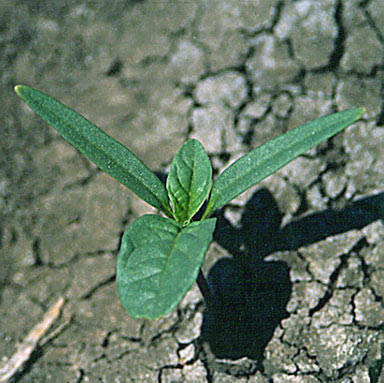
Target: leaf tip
{"type": "Point", "coordinates": [362, 111]}
{"type": "Point", "coordinates": [18, 89]}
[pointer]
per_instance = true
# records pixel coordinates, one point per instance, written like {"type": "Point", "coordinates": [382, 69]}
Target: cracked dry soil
{"type": "Point", "coordinates": [297, 263]}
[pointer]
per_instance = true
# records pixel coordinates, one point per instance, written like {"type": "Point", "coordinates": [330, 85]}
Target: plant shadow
{"type": "Point", "coordinates": [253, 293]}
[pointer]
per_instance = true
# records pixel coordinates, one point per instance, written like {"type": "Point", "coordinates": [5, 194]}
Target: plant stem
{"type": "Point", "coordinates": [207, 293]}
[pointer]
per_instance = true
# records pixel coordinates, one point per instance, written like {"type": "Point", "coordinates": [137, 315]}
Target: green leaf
{"type": "Point", "coordinates": [271, 156]}
{"type": "Point", "coordinates": [189, 180]}
{"type": "Point", "coordinates": [108, 154]}
{"type": "Point", "coordinates": [158, 262]}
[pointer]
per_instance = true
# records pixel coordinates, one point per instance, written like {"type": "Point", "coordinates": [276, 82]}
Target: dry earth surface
{"type": "Point", "coordinates": [297, 263]}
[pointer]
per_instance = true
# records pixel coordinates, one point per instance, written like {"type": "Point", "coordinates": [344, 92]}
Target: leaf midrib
{"type": "Point", "coordinates": [109, 157]}
{"type": "Point", "coordinates": [258, 163]}
{"type": "Point", "coordinates": [163, 272]}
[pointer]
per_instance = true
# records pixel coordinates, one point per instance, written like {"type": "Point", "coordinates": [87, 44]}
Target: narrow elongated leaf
{"type": "Point", "coordinates": [158, 262]}
{"type": "Point", "coordinates": [271, 156]}
{"type": "Point", "coordinates": [189, 180]}
{"type": "Point", "coordinates": [108, 154]}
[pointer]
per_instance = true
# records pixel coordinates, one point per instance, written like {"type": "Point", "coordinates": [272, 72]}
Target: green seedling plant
{"type": "Point", "coordinates": [161, 256]}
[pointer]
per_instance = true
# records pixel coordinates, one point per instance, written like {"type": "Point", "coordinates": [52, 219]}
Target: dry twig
{"type": "Point", "coordinates": [31, 341]}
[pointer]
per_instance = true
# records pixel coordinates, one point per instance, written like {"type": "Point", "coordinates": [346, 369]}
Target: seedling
{"type": "Point", "coordinates": [161, 256]}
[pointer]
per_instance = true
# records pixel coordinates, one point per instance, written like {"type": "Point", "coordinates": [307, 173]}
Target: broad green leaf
{"type": "Point", "coordinates": [158, 262]}
{"type": "Point", "coordinates": [189, 180]}
{"type": "Point", "coordinates": [271, 156]}
{"type": "Point", "coordinates": [108, 154]}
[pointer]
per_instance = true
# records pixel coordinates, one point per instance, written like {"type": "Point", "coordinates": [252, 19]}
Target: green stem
{"type": "Point", "coordinates": [207, 293]}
